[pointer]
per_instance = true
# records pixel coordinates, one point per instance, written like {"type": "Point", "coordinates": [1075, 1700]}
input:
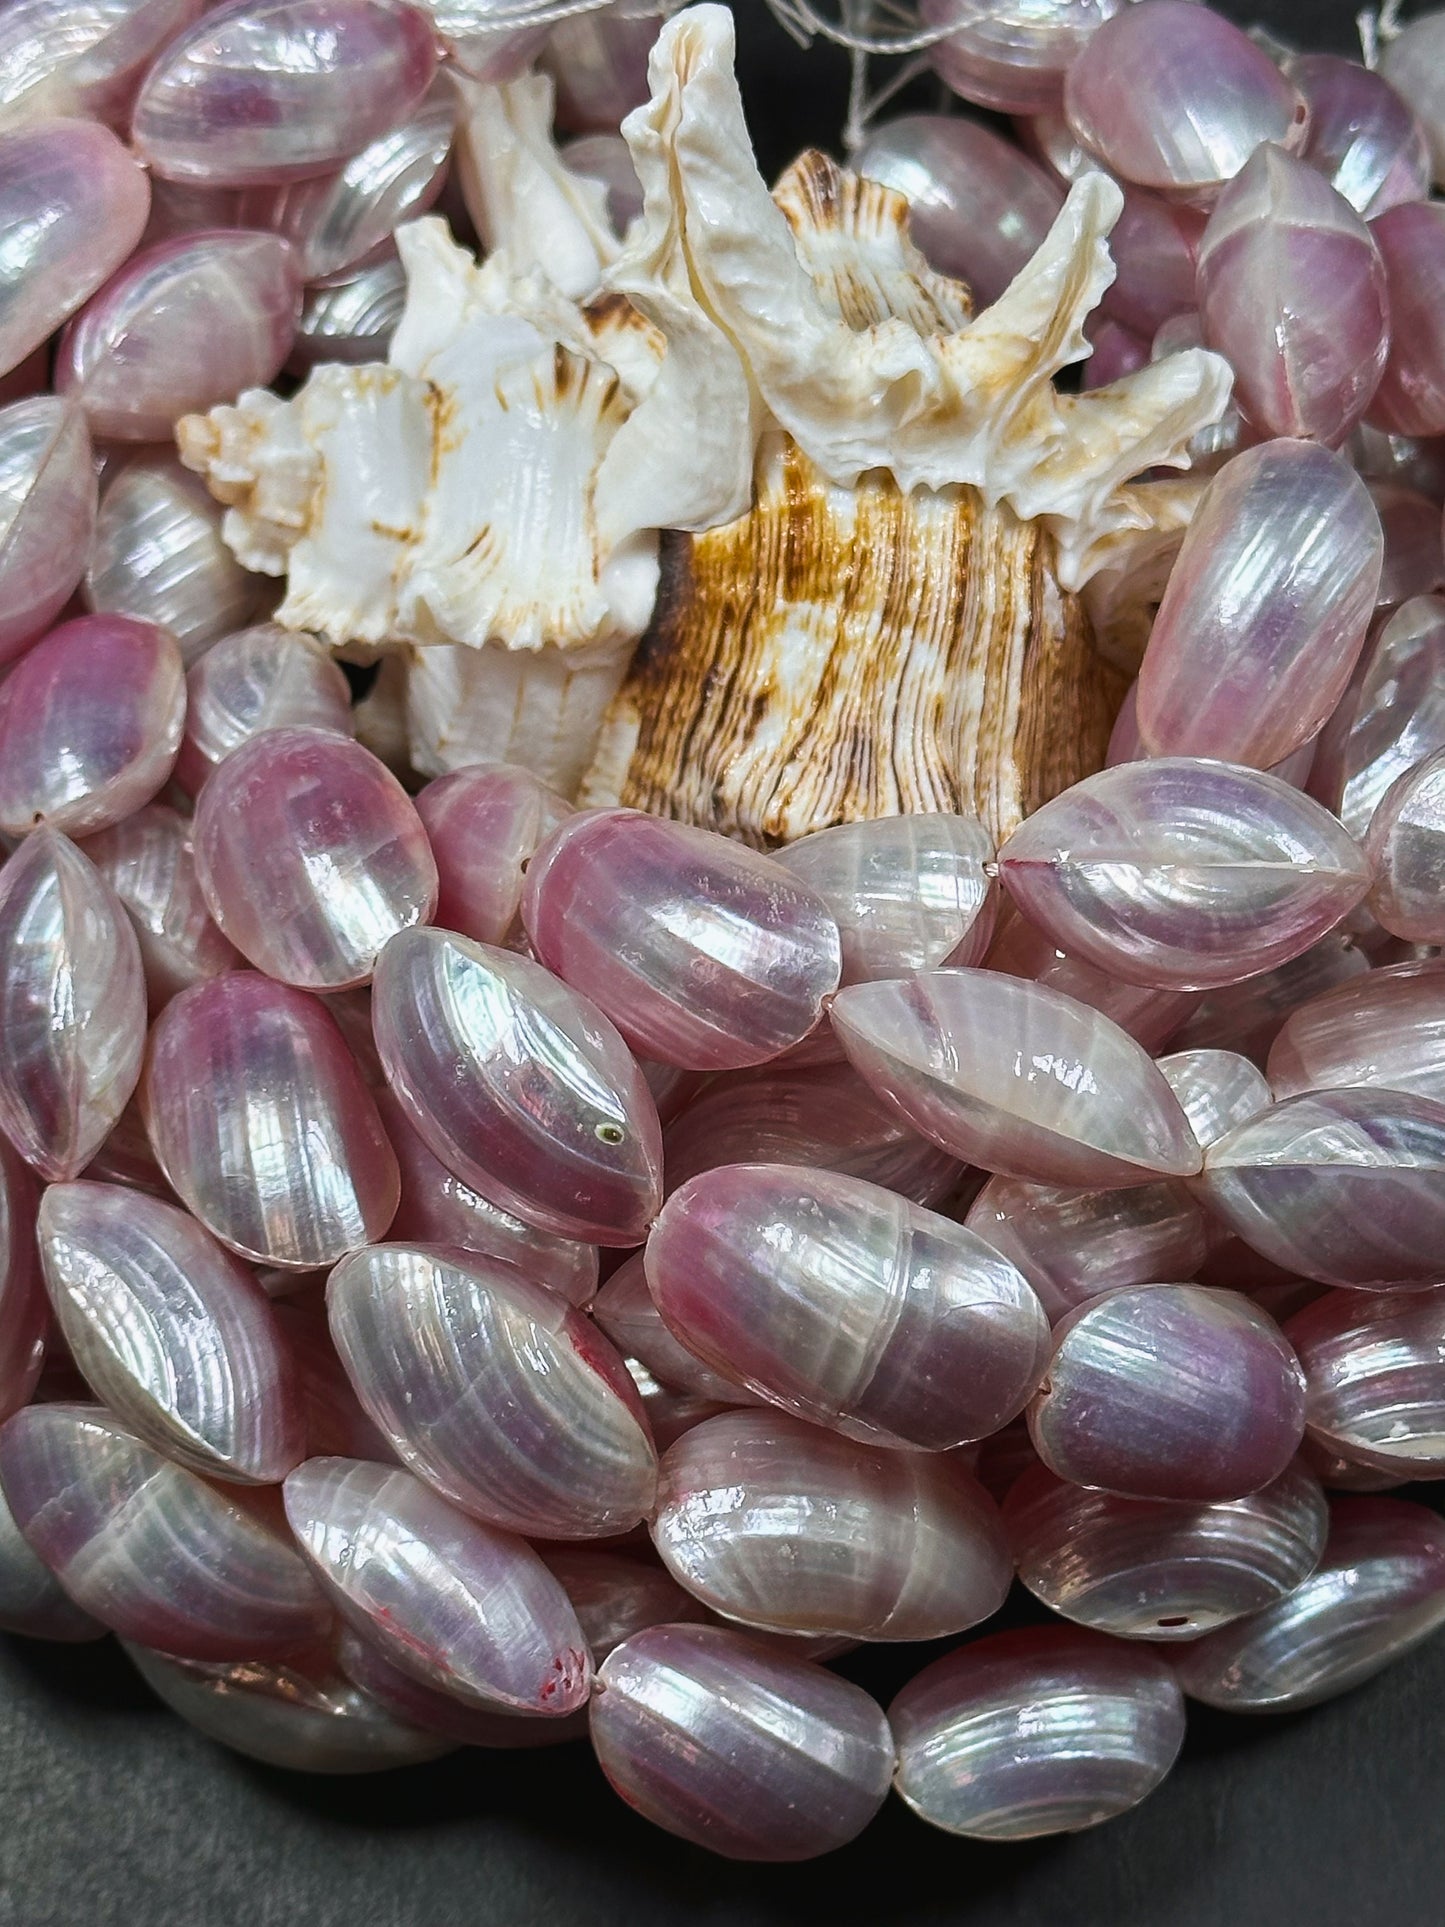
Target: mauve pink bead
{"type": "Point", "coordinates": [1267, 605]}
{"type": "Point", "coordinates": [1174, 97]}
{"type": "Point", "coordinates": [704, 954]}
{"type": "Point", "coordinates": [1391, 717]}
{"type": "Point", "coordinates": [1411, 62]}
{"type": "Point", "coordinates": [181, 327]}
{"type": "Point", "coordinates": [72, 1006]}
{"type": "Point", "coordinates": [1154, 243]}
{"type": "Point", "coordinates": [275, 90]}
{"type": "Point", "coordinates": [24, 1310]}
{"type": "Point", "coordinates": [336, 1426]}
{"type": "Point", "coordinates": [126, 1157]}
{"type": "Point", "coordinates": [48, 497]}
{"type": "Point", "coordinates": [262, 1125]}
{"type": "Point", "coordinates": [520, 1086]}
{"type": "Point", "coordinates": [626, 1310]}
{"type": "Point", "coordinates": [82, 57]}
{"type": "Point", "coordinates": [1292, 294]}
{"type": "Point", "coordinates": [1362, 136]}
{"type": "Point", "coordinates": [90, 722]}
{"type": "Point", "coordinates": [1169, 1392]}
{"type": "Point", "coordinates": [73, 204]}
{"type": "Point", "coordinates": [492, 40]}
{"type": "Point", "coordinates": [148, 861]}
{"type": "Point", "coordinates": [32, 1600]}
{"type": "Point", "coordinates": [1338, 1474]}
{"type": "Point", "coordinates": [598, 62]}
{"type": "Point", "coordinates": [1246, 1017]}
{"type": "Point", "coordinates": [1410, 399]}
{"type": "Point", "coordinates": [1151, 1017]}
{"type": "Point", "coordinates": [738, 1749]}
{"type": "Point", "coordinates": [1374, 1370]}
{"type": "Point", "coordinates": [256, 679]}
{"type": "Point", "coordinates": [1116, 353]}
{"type": "Point", "coordinates": [463, 1722]}
{"type": "Point", "coordinates": [978, 208]}
{"type": "Point", "coordinates": [1011, 55]}
{"type": "Point", "coordinates": [485, 824]}
{"type": "Point", "coordinates": [1217, 1089]}
{"type": "Point", "coordinates": [617, 1594]}
{"type": "Point", "coordinates": [1406, 845]}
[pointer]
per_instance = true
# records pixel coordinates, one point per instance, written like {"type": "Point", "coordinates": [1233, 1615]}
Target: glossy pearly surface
{"type": "Point", "coordinates": [82, 57]}
{"type": "Point", "coordinates": [1217, 1089]}
{"type": "Point", "coordinates": [1374, 1368]}
{"type": "Point", "coordinates": [599, 63]}
{"type": "Point", "coordinates": [1391, 719]}
{"type": "Point", "coordinates": [1406, 846]}
{"type": "Point", "coordinates": [48, 497]}
{"type": "Point", "coordinates": [1245, 1017]}
{"type": "Point", "coordinates": [1151, 1017]}
{"type": "Point", "coordinates": [24, 1311]}
{"type": "Point", "coordinates": [149, 863]}
{"type": "Point", "coordinates": [463, 1722]}
{"type": "Point", "coordinates": [485, 824]}
{"type": "Point", "coordinates": [32, 1600]}
{"type": "Point", "coordinates": [1362, 136]}
{"type": "Point", "coordinates": [1012, 55]}
{"type": "Point", "coordinates": [1387, 1028]}
{"type": "Point", "coordinates": [617, 1594]}
{"type": "Point", "coordinates": [1410, 399]}
{"type": "Point", "coordinates": [627, 1311]}
{"type": "Point", "coordinates": [261, 678]}
{"type": "Point", "coordinates": [351, 318]}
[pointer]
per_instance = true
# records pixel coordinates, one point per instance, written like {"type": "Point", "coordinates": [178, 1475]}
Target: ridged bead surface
{"type": "Point", "coordinates": [24, 1312]}
{"type": "Point", "coordinates": [171, 1332]}
{"type": "Point", "coordinates": [257, 679]}
{"type": "Point", "coordinates": [1375, 1375]}
{"type": "Point", "coordinates": [149, 863]}
{"type": "Point", "coordinates": [48, 498]}
{"type": "Point", "coordinates": [598, 61]}
{"type": "Point", "coordinates": [82, 57]}
{"type": "Point", "coordinates": [1377, 1592]}
{"type": "Point", "coordinates": [1362, 136]}
{"type": "Point", "coordinates": [1267, 604]}
{"type": "Point", "coordinates": [90, 722]}
{"type": "Point", "coordinates": [1245, 1017]}
{"type": "Point", "coordinates": [625, 1309]}
{"type": "Point", "coordinates": [1049, 1729]}
{"type": "Point", "coordinates": [1387, 1028]}
{"type": "Point", "coordinates": [1406, 846]}
{"type": "Point", "coordinates": [72, 1006]}
{"type": "Point", "coordinates": [275, 90]}
{"type": "Point", "coordinates": [336, 1426]}
{"type": "Point", "coordinates": [1414, 563]}
{"type": "Point", "coordinates": [1217, 1089]}
{"type": "Point", "coordinates": [785, 1526]}
{"type": "Point", "coordinates": [1170, 1392]}
{"type": "Point", "coordinates": [1146, 1569]}
{"type": "Point", "coordinates": [150, 1550]}
{"type": "Point", "coordinates": [847, 1305]}
{"type": "Point", "coordinates": [1411, 63]}
{"type": "Point", "coordinates": [311, 856]}
{"type": "Point", "coordinates": [463, 1722]}
{"type": "Point", "coordinates": [520, 1086]}
{"type": "Point", "coordinates": [1012, 55]}
{"type": "Point", "coordinates": [1392, 718]}
{"type": "Point", "coordinates": [617, 1594]}
{"type": "Point", "coordinates": [1410, 399]}
{"type": "Point", "coordinates": [1343, 1186]}
{"type": "Point", "coordinates": [755, 1756]}
{"type": "Point", "coordinates": [1016, 1078]}
{"type": "Point", "coordinates": [1150, 1016]}
{"type": "Point", "coordinates": [494, 1390]}
{"type": "Point", "coordinates": [352, 318]}
{"type": "Point", "coordinates": [262, 1124]}
{"type": "Point", "coordinates": [485, 824]}
{"type": "Point", "coordinates": [464, 1607]}
{"type": "Point", "coordinates": [486, 38]}
{"type": "Point", "coordinates": [32, 1600]}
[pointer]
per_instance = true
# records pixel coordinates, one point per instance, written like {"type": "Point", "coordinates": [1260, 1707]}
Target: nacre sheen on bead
{"type": "Point", "coordinates": [260, 678]}
{"type": "Point", "coordinates": [1217, 1088]}
{"type": "Point", "coordinates": [148, 861]}
{"type": "Point", "coordinates": [1410, 398]}
{"type": "Point", "coordinates": [1392, 717]}
{"type": "Point", "coordinates": [32, 1599]}
{"type": "Point", "coordinates": [1362, 136]}
{"type": "Point", "coordinates": [626, 1310]}
{"type": "Point", "coordinates": [485, 823]}
{"type": "Point", "coordinates": [48, 498]}
{"type": "Point", "coordinates": [1386, 1028]}
{"type": "Point", "coordinates": [24, 1311]}
{"type": "Point", "coordinates": [82, 57]}
{"type": "Point", "coordinates": [1374, 1366]}
{"type": "Point", "coordinates": [1406, 845]}
{"type": "Point", "coordinates": [1012, 55]}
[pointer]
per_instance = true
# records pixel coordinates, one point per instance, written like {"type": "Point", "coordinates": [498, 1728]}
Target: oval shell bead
{"type": "Point", "coordinates": [148, 861]}
{"type": "Point", "coordinates": [1016, 1078]}
{"type": "Point", "coordinates": [1392, 717]}
{"type": "Point", "coordinates": [1011, 55]}
{"type": "Point", "coordinates": [782, 1525]}
{"type": "Point", "coordinates": [1376, 1594]}
{"type": "Point", "coordinates": [1217, 1089]}
{"type": "Point", "coordinates": [263, 1126]}
{"type": "Point", "coordinates": [1406, 846]}
{"type": "Point", "coordinates": [1150, 1017]}
{"type": "Point", "coordinates": [626, 1310]}
{"type": "Point", "coordinates": [82, 57]}
{"type": "Point", "coordinates": [1410, 399]}
{"type": "Point", "coordinates": [24, 1312]}
{"type": "Point", "coordinates": [1386, 1028]}
{"type": "Point", "coordinates": [1170, 1392]}
{"type": "Point", "coordinates": [32, 1600]}
{"type": "Point", "coordinates": [1048, 1729]}
{"type": "Point", "coordinates": [1146, 1569]}
{"type": "Point", "coordinates": [48, 497]}
{"type": "Point", "coordinates": [463, 1722]}
{"type": "Point", "coordinates": [494, 1390]}
{"type": "Point", "coordinates": [598, 61]}
{"type": "Point", "coordinates": [171, 1332]}
{"type": "Point", "coordinates": [1245, 1017]}
{"type": "Point", "coordinates": [90, 722]}
{"type": "Point", "coordinates": [1374, 1368]}
{"type": "Point", "coordinates": [617, 1594]}
{"type": "Point", "coordinates": [737, 1748]}
{"type": "Point", "coordinates": [257, 679]}
{"type": "Point", "coordinates": [150, 1550]}
{"type": "Point", "coordinates": [72, 1006]}
{"type": "Point", "coordinates": [319, 80]}
{"type": "Point", "coordinates": [485, 824]}
{"type": "Point", "coordinates": [1362, 136]}
{"type": "Point", "coordinates": [520, 1086]}
{"type": "Point", "coordinates": [1184, 874]}
{"type": "Point", "coordinates": [1266, 608]}
{"type": "Point", "coordinates": [847, 1305]}
{"type": "Point", "coordinates": [311, 856]}
{"type": "Point", "coordinates": [465, 1608]}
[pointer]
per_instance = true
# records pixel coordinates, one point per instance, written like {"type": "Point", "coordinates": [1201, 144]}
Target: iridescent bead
{"type": "Point", "coordinates": [520, 1086]}
{"type": "Point", "coordinates": [1012, 55]}
{"type": "Point", "coordinates": [32, 1600]}
{"type": "Point", "coordinates": [262, 1124]}
{"type": "Point", "coordinates": [868, 1314]}
{"type": "Point", "coordinates": [485, 824]}
{"type": "Point", "coordinates": [48, 497]}
{"type": "Point", "coordinates": [1049, 1729]}
{"type": "Point", "coordinates": [1406, 847]}
{"type": "Point", "coordinates": [336, 1426]}
{"type": "Point", "coordinates": [1016, 1078]}
{"type": "Point", "coordinates": [90, 722]}
{"type": "Point", "coordinates": [625, 1309]}
{"type": "Point", "coordinates": [463, 1722]}
{"type": "Point", "coordinates": [1151, 1017]}
{"type": "Point", "coordinates": [598, 62]}
{"type": "Point", "coordinates": [257, 679]}
{"type": "Point", "coordinates": [1155, 244]}
{"type": "Point", "coordinates": [147, 861]}
{"type": "Point", "coordinates": [24, 1313]}
{"type": "Point", "coordinates": [275, 90]}
{"type": "Point", "coordinates": [1338, 1474]}
{"type": "Point", "coordinates": [311, 856]}
{"type": "Point", "coordinates": [608, 159]}
{"type": "Point", "coordinates": [742, 1751]}
{"type": "Point", "coordinates": [1386, 1028]}
{"type": "Point", "coordinates": [126, 1157]}
{"type": "Point", "coordinates": [1146, 1569]}
{"type": "Point", "coordinates": [1411, 62]}
{"type": "Point", "coordinates": [146, 1547]}
{"type": "Point", "coordinates": [82, 57]}
{"type": "Point", "coordinates": [1245, 1017]}
{"type": "Point", "coordinates": [1362, 136]}
{"type": "Point", "coordinates": [1410, 399]}
{"type": "Point", "coordinates": [494, 1390]}
{"type": "Point", "coordinates": [1392, 718]}
{"type": "Point", "coordinates": [1342, 1186]}
{"type": "Point", "coordinates": [1267, 605]}
{"type": "Point", "coordinates": [1374, 1369]}
{"type": "Point", "coordinates": [72, 1006]}
{"type": "Point", "coordinates": [1116, 352]}
{"type": "Point", "coordinates": [1217, 1089]}
{"type": "Point", "coordinates": [1169, 1392]}
{"type": "Point", "coordinates": [467, 1609]}
{"type": "Point", "coordinates": [1376, 1594]}
{"type": "Point", "coordinates": [351, 318]}
{"type": "Point", "coordinates": [782, 1525]}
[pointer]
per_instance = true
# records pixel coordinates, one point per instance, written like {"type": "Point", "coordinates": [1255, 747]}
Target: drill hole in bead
{"type": "Point", "coordinates": [1172, 1621]}
{"type": "Point", "coordinates": [610, 1134]}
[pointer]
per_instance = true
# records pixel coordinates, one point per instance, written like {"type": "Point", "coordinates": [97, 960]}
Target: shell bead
{"type": "Point", "coordinates": [149, 863]}
{"type": "Point", "coordinates": [48, 500]}
{"type": "Point", "coordinates": [253, 680]}
{"type": "Point", "coordinates": [485, 824]}
{"type": "Point", "coordinates": [1374, 1368]}
{"type": "Point", "coordinates": [1386, 1028]}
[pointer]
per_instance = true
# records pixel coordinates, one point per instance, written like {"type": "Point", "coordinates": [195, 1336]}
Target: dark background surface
{"type": "Point", "coordinates": [114, 1814]}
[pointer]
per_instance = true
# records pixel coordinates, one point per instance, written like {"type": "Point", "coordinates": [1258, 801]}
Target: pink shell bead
{"type": "Point", "coordinates": [461, 1722]}
{"type": "Point", "coordinates": [494, 1390]}
{"type": "Point", "coordinates": [617, 1594]}
{"type": "Point", "coordinates": [352, 318]}
{"type": "Point", "coordinates": [1154, 243]}
{"type": "Point", "coordinates": [1150, 1017]}
{"type": "Point", "coordinates": [1411, 62]}
{"type": "Point", "coordinates": [257, 679]}
{"type": "Point", "coordinates": [1374, 1366]}
{"type": "Point", "coordinates": [181, 327]}
{"type": "Point", "coordinates": [1410, 399]}
{"type": "Point", "coordinates": [90, 722]}
{"type": "Point", "coordinates": [1174, 97]}
{"type": "Point", "coordinates": [1012, 55]}
{"type": "Point", "coordinates": [598, 62]}
{"type": "Point", "coordinates": [1292, 294]}
{"type": "Point", "coordinates": [171, 1332]}
{"type": "Point", "coordinates": [73, 204]}
{"type": "Point", "coordinates": [48, 498]}
{"type": "Point", "coordinates": [1218, 1089]}
{"type": "Point", "coordinates": [847, 1305]}
{"type": "Point", "coordinates": [1392, 718]}
{"type": "Point", "coordinates": [72, 1006]}
{"type": "Point", "coordinates": [1406, 845]}
{"type": "Point", "coordinates": [736, 1748]}
{"type": "Point", "coordinates": [311, 856]}
{"type": "Point", "coordinates": [82, 57]}
{"type": "Point", "coordinates": [1245, 1017]}
{"type": "Point", "coordinates": [463, 1607]}
{"type": "Point", "coordinates": [150, 1550]}
{"type": "Point", "coordinates": [704, 954]}
{"type": "Point", "coordinates": [1183, 874]}
{"type": "Point", "coordinates": [32, 1600]}
{"type": "Point", "coordinates": [1016, 1078]}
{"type": "Point", "coordinates": [1169, 1392]}
{"type": "Point", "coordinates": [1385, 1028]}
{"type": "Point", "coordinates": [491, 40]}
{"type": "Point", "coordinates": [274, 90]}
{"type": "Point", "coordinates": [24, 1311]}
{"type": "Point", "coordinates": [148, 862]}
{"type": "Point", "coordinates": [1267, 605]}
{"type": "Point", "coordinates": [785, 1526]}
{"type": "Point", "coordinates": [520, 1086]}
{"type": "Point", "coordinates": [1362, 136]}
{"type": "Point", "coordinates": [485, 824]}
{"type": "Point", "coordinates": [625, 1309]}
{"type": "Point", "coordinates": [263, 1126]}
{"type": "Point", "coordinates": [1414, 564]}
